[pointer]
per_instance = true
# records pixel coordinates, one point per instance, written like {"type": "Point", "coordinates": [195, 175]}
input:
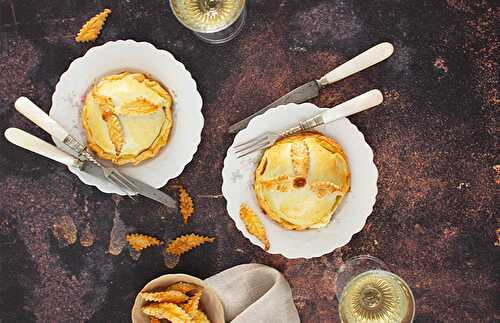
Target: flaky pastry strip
{"type": "Point", "coordinates": [169, 311]}
{"type": "Point", "coordinates": [138, 106]}
{"type": "Point", "coordinates": [115, 132]}
{"type": "Point", "coordinates": [199, 317]}
{"type": "Point", "coordinates": [322, 188]}
{"type": "Point", "coordinates": [169, 296]}
{"type": "Point", "coordinates": [92, 28]}
{"type": "Point", "coordinates": [139, 241]}
{"type": "Point", "coordinates": [300, 158]}
{"type": "Point", "coordinates": [192, 304]}
{"type": "Point", "coordinates": [254, 225]}
{"type": "Point", "coordinates": [187, 242]}
{"type": "Point", "coordinates": [281, 183]}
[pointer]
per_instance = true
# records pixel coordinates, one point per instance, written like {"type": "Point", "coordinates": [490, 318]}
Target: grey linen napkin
{"type": "Point", "coordinates": [254, 293]}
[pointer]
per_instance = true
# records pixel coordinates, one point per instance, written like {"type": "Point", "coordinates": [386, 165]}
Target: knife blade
{"type": "Point", "coordinates": [301, 94]}
{"type": "Point", "coordinates": [27, 141]}
{"type": "Point", "coordinates": [142, 188]}
{"type": "Point", "coordinates": [310, 90]}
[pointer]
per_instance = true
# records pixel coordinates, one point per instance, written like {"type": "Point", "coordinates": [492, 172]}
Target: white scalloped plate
{"type": "Point", "coordinates": [350, 217]}
{"type": "Point", "coordinates": [128, 55]}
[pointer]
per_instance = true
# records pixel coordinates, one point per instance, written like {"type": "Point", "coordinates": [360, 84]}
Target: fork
{"type": "Point", "coordinates": [357, 104]}
{"type": "Point", "coordinates": [31, 111]}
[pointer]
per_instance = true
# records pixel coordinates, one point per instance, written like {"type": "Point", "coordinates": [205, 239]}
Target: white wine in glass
{"type": "Point", "coordinates": [214, 21]}
{"type": "Point", "coordinates": [369, 294]}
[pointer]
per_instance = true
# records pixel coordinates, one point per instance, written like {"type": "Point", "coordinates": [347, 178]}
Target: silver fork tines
{"type": "Point", "coordinates": [263, 141]}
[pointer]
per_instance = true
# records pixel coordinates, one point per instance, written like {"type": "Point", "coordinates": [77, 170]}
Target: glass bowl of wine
{"type": "Point", "coordinates": [369, 293]}
{"type": "Point", "coordinates": [214, 21]}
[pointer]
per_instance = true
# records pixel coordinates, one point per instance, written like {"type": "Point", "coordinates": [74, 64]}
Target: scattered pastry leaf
{"type": "Point", "coordinates": [254, 225]}
{"type": "Point", "coordinates": [192, 304]}
{"type": "Point", "coordinates": [183, 287]}
{"type": "Point", "coordinates": [141, 241]}
{"type": "Point", "coordinates": [169, 311]}
{"type": "Point", "coordinates": [199, 317]}
{"type": "Point", "coordinates": [153, 319]}
{"type": "Point", "coordinates": [92, 28]}
{"type": "Point", "coordinates": [170, 296]}
{"type": "Point", "coordinates": [65, 231]}
{"type": "Point", "coordinates": [186, 205]}
{"type": "Point", "coordinates": [186, 242]}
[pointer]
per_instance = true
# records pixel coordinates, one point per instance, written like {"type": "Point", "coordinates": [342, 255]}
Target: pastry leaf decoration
{"type": "Point", "coordinates": [92, 28]}
{"type": "Point", "coordinates": [186, 206]}
{"type": "Point", "coordinates": [187, 242]}
{"type": "Point", "coordinates": [139, 241]}
{"type": "Point", "coordinates": [169, 296]}
{"type": "Point", "coordinates": [254, 225]}
{"type": "Point", "coordinates": [169, 311]}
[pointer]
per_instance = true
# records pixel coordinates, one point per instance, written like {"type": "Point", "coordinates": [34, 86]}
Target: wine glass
{"type": "Point", "coordinates": [214, 21]}
{"type": "Point", "coordinates": [369, 293]}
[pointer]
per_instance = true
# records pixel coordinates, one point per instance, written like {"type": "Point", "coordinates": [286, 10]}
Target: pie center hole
{"type": "Point", "coordinates": [299, 182]}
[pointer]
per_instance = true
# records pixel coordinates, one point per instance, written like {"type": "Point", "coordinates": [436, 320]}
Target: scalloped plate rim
{"type": "Point", "coordinates": [321, 251]}
{"type": "Point", "coordinates": [197, 97]}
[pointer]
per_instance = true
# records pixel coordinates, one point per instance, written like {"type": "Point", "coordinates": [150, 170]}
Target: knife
{"type": "Point", "coordinates": [34, 144]}
{"type": "Point", "coordinates": [311, 89]}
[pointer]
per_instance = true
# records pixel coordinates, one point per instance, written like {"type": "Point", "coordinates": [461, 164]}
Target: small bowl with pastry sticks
{"type": "Point", "coordinates": [177, 298]}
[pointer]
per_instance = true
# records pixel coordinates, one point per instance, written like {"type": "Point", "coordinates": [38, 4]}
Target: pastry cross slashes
{"type": "Point", "coordinates": [301, 180]}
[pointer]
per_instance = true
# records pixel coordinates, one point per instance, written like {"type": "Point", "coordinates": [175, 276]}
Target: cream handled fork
{"type": "Point", "coordinates": [357, 104]}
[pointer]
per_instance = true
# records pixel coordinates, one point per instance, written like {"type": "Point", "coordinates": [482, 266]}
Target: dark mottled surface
{"type": "Point", "coordinates": [435, 141]}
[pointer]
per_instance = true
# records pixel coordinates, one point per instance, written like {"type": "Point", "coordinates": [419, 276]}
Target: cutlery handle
{"type": "Point", "coordinates": [31, 111]}
{"type": "Point", "coordinates": [357, 104]}
{"type": "Point", "coordinates": [28, 141]}
{"type": "Point", "coordinates": [370, 57]}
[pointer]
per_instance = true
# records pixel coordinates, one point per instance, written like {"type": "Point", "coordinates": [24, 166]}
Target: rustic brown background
{"type": "Point", "coordinates": [435, 141]}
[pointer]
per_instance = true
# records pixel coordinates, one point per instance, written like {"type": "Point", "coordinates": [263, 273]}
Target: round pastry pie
{"type": "Point", "coordinates": [128, 118]}
{"type": "Point", "coordinates": [301, 180]}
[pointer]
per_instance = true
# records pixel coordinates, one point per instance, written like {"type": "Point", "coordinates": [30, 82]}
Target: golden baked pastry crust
{"type": "Point", "coordinates": [111, 108]}
{"type": "Point", "coordinates": [301, 180]}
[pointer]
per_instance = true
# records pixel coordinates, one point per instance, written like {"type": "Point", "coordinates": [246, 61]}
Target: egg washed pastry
{"type": "Point", "coordinates": [128, 118]}
{"type": "Point", "coordinates": [301, 180]}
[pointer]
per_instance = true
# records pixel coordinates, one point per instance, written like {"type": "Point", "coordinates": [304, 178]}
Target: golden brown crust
{"type": "Point", "coordinates": [254, 225]}
{"type": "Point", "coordinates": [186, 242]}
{"type": "Point", "coordinates": [169, 311]}
{"type": "Point", "coordinates": [115, 132]}
{"type": "Point", "coordinates": [186, 206]}
{"type": "Point", "coordinates": [281, 183]}
{"type": "Point", "coordinates": [139, 241]}
{"type": "Point", "coordinates": [300, 158]}
{"type": "Point", "coordinates": [191, 306]}
{"type": "Point", "coordinates": [137, 106]}
{"type": "Point", "coordinates": [319, 179]}
{"type": "Point", "coordinates": [170, 296]}
{"type": "Point", "coordinates": [92, 28]}
{"type": "Point", "coordinates": [321, 188]}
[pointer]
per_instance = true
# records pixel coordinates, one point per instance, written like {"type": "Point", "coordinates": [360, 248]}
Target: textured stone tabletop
{"type": "Point", "coordinates": [435, 140]}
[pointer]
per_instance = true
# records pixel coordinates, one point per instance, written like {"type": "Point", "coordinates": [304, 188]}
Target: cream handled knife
{"type": "Point", "coordinates": [307, 91]}
{"type": "Point", "coordinates": [34, 144]}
